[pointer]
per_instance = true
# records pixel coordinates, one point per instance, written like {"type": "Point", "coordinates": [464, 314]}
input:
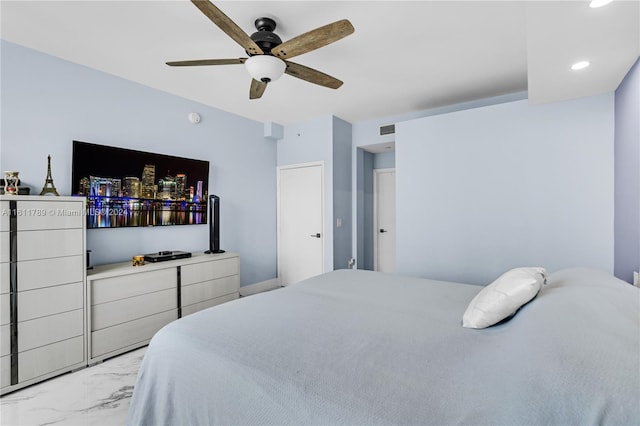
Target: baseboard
{"type": "Point", "coordinates": [248, 290]}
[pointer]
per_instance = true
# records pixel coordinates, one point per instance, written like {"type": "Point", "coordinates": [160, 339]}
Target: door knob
{"type": "Point", "coordinates": [382, 231]}
{"type": "Point", "coordinates": [316, 235]}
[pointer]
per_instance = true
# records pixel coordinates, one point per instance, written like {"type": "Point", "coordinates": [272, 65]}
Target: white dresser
{"type": "Point", "coordinates": [128, 304]}
{"type": "Point", "coordinates": [42, 293]}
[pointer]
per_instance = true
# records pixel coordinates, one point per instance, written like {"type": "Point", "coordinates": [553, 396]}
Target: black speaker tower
{"type": "Point", "coordinates": [214, 225]}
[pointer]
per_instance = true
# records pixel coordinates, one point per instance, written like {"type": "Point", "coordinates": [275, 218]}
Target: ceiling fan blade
{"type": "Point", "coordinates": [198, 62]}
{"type": "Point", "coordinates": [228, 26]}
{"type": "Point", "coordinates": [311, 75]}
{"type": "Point", "coordinates": [313, 39]}
{"type": "Point", "coordinates": [257, 89]}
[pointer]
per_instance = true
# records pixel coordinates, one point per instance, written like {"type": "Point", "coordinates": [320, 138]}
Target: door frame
{"type": "Point", "coordinates": [322, 215]}
{"type": "Point", "coordinates": [376, 228]}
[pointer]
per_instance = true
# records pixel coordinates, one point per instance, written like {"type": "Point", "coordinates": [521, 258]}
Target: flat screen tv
{"type": "Point", "coordinates": [125, 187]}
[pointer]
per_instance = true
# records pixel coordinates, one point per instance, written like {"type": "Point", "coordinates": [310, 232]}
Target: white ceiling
{"type": "Point", "coordinates": [403, 56]}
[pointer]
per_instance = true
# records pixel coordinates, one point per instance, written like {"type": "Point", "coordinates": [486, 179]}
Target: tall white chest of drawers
{"type": "Point", "coordinates": [42, 292]}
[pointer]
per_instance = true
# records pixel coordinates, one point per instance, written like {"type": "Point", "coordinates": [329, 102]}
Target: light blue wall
{"type": "Point", "coordinates": [366, 163]}
{"type": "Point", "coordinates": [365, 209]}
{"type": "Point", "coordinates": [484, 190]}
{"type": "Point", "coordinates": [368, 132]}
{"type": "Point", "coordinates": [326, 139]}
{"type": "Point", "coordinates": [384, 160]}
{"type": "Point", "coordinates": [627, 176]}
{"type": "Point", "coordinates": [48, 102]}
{"type": "Point", "coordinates": [342, 194]}
{"type": "Point", "coordinates": [308, 142]}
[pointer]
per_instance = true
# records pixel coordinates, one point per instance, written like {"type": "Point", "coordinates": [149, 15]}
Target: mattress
{"type": "Point", "coordinates": [365, 348]}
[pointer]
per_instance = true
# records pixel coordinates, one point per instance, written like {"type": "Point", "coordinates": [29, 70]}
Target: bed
{"type": "Point", "coordinates": [366, 348]}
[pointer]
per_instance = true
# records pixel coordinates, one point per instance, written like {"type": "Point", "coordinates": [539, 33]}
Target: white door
{"type": "Point", "coordinates": [300, 222]}
{"type": "Point", "coordinates": [384, 219]}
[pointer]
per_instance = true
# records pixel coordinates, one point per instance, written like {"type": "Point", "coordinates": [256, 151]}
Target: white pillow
{"type": "Point", "coordinates": [503, 297]}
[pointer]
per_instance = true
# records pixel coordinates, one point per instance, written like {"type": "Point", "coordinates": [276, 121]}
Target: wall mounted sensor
{"type": "Point", "coordinates": [194, 118]}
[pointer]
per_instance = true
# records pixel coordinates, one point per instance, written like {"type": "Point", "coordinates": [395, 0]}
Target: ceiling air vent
{"type": "Point", "coordinates": [387, 130]}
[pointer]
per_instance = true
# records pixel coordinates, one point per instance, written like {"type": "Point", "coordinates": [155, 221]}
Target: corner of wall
{"type": "Point", "coordinates": [627, 176]}
{"type": "Point", "coordinates": [273, 131]}
{"type": "Point", "coordinates": [342, 192]}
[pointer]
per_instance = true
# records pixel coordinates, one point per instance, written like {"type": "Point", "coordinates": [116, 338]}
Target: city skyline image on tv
{"type": "Point", "coordinates": [125, 187]}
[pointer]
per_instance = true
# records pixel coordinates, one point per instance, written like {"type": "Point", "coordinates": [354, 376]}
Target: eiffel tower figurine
{"type": "Point", "coordinates": [49, 187]}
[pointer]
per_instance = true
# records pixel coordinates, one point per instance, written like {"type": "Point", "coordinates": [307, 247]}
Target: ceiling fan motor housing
{"type": "Point", "coordinates": [265, 37]}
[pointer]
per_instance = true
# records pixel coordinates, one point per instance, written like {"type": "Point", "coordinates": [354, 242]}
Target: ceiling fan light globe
{"type": "Point", "coordinates": [599, 3]}
{"type": "Point", "coordinates": [265, 67]}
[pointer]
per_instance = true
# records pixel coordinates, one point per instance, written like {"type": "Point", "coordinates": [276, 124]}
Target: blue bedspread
{"type": "Point", "coordinates": [366, 348]}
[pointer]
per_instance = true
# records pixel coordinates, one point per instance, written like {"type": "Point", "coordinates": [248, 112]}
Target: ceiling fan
{"type": "Point", "coordinates": [268, 55]}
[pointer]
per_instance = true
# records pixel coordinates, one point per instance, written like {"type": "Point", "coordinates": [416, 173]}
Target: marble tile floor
{"type": "Point", "coordinates": [98, 395]}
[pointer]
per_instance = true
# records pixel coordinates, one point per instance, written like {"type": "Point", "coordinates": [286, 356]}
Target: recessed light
{"type": "Point", "coordinates": [599, 3]}
{"type": "Point", "coordinates": [580, 65]}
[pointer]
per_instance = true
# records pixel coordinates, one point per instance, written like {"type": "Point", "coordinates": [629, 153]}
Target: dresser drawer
{"type": "Point", "coordinates": [205, 271]}
{"type": "Point", "coordinates": [5, 371]}
{"type": "Point", "coordinates": [137, 332]}
{"type": "Point", "coordinates": [39, 215]}
{"type": "Point", "coordinates": [5, 340]}
{"type": "Point", "coordinates": [211, 289]}
{"type": "Point", "coordinates": [51, 358]}
{"type": "Point", "coordinates": [4, 247]}
{"type": "Point", "coordinates": [109, 289]}
{"type": "Point", "coordinates": [5, 214]}
{"type": "Point", "coordinates": [187, 310]}
{"type": "Point", "coordinates": [125, 310]}
{"type": "Point", "coordinates": [34, 274]}
{"type": "Point", "coordinates": [4, 278]}
{"type": "Point", "coordinates": [43, 331]}
{"type": "Point", "coordinates": [5, 314]}
{"type": "Point", "coordinates": [50, 243]}
{"type": "Point", "coordinates": [48, 301]}
{"type": "Point", "coordinates": [51, 329]}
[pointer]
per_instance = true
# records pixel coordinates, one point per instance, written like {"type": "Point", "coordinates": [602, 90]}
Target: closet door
{"type": "Point", "coordinates": [300, 222]}
{"type": "Point", "coordinates": [384, 205]}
